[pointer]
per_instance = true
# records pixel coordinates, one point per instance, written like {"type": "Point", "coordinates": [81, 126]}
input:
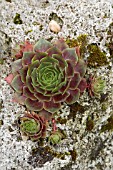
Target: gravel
{"type": "Point", "coordinates": [94, 149]}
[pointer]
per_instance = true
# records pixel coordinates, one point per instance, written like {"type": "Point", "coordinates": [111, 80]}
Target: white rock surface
{"type": "Point", "coordinates": [79, 17]}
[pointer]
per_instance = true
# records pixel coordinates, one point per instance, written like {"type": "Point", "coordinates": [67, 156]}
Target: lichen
{"type": "Point", "coordinates": [17, 19]}
{"type": "Point", "coordinates": [109, 125]}
{"type": "Point", "coordinates": [41, 155]}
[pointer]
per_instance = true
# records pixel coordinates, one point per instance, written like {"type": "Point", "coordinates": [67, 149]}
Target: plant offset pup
{"type": "Point", "coordinates": [33, 126]}
{"type": "Point", "coordinates": [45, 75]}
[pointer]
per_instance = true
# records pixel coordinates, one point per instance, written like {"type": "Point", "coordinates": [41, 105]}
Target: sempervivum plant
{"type": "Point", "coordinates": [96, 86]}
{"type": "Point", "coordinates": [55, 137]}
{"type": "Point", "coordinates": [33, 126]}
{"type": "Point", "coordinates": [45, 75]}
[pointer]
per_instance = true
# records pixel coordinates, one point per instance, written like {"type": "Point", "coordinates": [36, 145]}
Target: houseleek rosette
{"type": "Point", "coordinates": [33, 126]}
{"type": "Point", "coordinates": [45, 75]}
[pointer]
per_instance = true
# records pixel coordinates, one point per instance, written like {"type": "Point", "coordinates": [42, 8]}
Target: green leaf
{"type": "Point", "coordinates": [17, 84]}
{"type": "Point", "coordinates": [42, 45]}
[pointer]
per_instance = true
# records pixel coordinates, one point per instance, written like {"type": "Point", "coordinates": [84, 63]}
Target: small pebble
{"type": "Point", "coordinates": [54, 26]}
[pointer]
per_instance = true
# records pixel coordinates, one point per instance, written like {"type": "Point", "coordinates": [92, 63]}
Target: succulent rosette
{"type": "Point", "coordinates": [96, 86]}
{"type": "Point", "coordinates": [55, 137]}
{"type": "Point", "coordinates": [33, 126]}
{"type": "Point", "coordinates": [45, 75]}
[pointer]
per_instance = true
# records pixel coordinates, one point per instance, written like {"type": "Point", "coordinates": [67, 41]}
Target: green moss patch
{"type": "Point", "coordinates": [81, 41]}
{"type": "Point", "coordinates": [96, 57]}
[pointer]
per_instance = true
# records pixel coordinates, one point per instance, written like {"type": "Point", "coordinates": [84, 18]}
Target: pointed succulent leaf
{"type": "Point", "coordinates": [34, 77]}
{"type": "Point", "coordinates": [60, 44]}
{"type": "Point", "coordinates": [62, 62]}
{"type": "Point", "coordinates": [41, 97]}
{"type": "Point", "coordinates": [70, 54]}
{"type": "Point", "coordinates": [80, 67]}
{"type": "Point", "coordinates": [82, 85]}
{"type": "Point", "coordinates": [75, 81]}
{"type": "Point", "coordinates": [60, 97]}
{"type": "Point", "coordinates": [29, 84]}
{"type": "Point", "coordinates": [39, 56]}
{"type": "Point", "coordinates": [18, 98]}
{"type": "Point", "coordinates": [73, 97]}
{"type": "Point", "coordinates": [69, 69]}
{"type": "Point", "coordinates": [27, 57]}
{"type": "Point", "coordinates": [53, 50]}
{"type": "Point", "coordinates": [28, 94]}
{"type": "Point", "coordinates": [45, 115]}
{"type": "Point", "coordinates": [31, 67]}
{"type": "Point", "coordinates": [17, 65]}
{"type": "Point", "coordinates": [65, 88]}
{"type": "Point", "coordinates": [51, 106]}
{"type": "Point", "coordinates": [23, 73]}
{"type": "Point", "coordinates": [48, 60]}
{"type": "Point", "coordinates": [17, 84]}
{"type": "Point", "coordinates": [33, 105]}
{"type": "Point", "coordinates": [9, 78]}
{"type": "Point", "coordinates": [42, 45]}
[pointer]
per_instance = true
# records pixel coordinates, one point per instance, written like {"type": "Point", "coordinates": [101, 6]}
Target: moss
{"type": "Point", "coordinates": [72, 42]}
{"type": "Point", "coordinates": [109, 125]}
{"type": "Point", "coordinates": [96, 57]}
{"type": "Point", "coordinates": [17, 19]}
{"type": "Point", "coordinates": [89, 124]}
{"type": "Point", "coordinates": [82, 41]}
